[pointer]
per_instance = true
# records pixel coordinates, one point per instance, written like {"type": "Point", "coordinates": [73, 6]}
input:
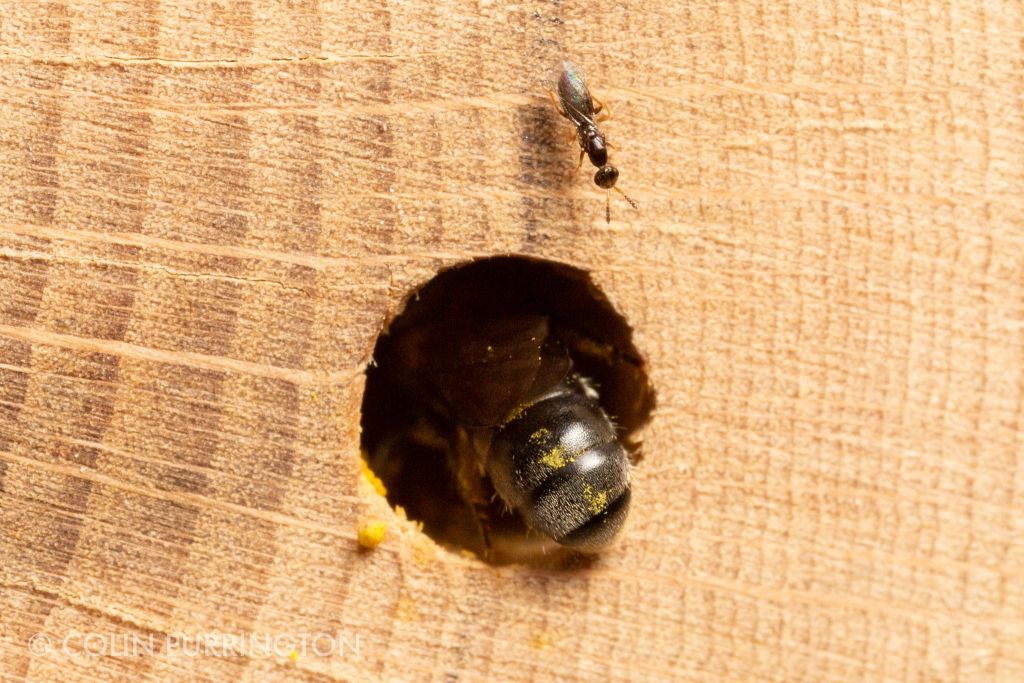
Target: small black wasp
{"type": "Point", "coordinates": [577, 104]}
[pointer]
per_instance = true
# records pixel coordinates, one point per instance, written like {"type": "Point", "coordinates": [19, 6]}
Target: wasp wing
{"type": "Point", "coordinates": [574, 96]}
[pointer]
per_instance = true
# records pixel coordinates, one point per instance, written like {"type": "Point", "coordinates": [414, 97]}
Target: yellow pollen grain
{"type": "Point", "coordinates": [554, 458]}
{"type": "Point", "coordinates": [596, 502]}
{"type": "Point", "coordinates": [540, 435]}
{"type": "Point", "coordinates": [372, 533]}
{"type": "Point", "coordinates": [372, 478]}
{"type": "Point", "coordinates": [515, 414]}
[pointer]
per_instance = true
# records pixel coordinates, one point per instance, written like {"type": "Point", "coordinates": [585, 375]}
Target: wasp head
{"type": "Point", "coordinates": [606, 176]}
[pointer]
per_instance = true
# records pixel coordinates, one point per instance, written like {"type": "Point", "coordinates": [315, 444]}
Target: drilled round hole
{"type": "Point", "coordinates": [502, 409]}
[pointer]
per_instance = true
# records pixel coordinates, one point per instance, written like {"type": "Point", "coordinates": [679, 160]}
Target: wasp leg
{"type": "Point", "coordinates": [570, 134]}
{"type": "Point", "coordinates": [601, 108]}
{"type": "Point", "coordinates": [558, 105]}
{"type": "Point", "coordinates": [580, 164]}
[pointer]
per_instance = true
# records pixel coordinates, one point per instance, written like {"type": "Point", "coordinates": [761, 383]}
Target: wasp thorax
{"type": "Point", "coordinates": [594, 144]}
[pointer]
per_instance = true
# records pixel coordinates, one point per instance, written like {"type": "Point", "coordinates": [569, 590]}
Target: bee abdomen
{"type": "Point", "coordinates": [560, 465]}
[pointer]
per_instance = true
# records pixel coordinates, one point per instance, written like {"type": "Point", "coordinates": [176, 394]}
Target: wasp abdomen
{"type": "Point", "coordinates": [559, 463]}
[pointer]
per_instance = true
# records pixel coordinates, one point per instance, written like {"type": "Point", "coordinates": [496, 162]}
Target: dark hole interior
{"type": "Point", "coordinates": [411, 450]}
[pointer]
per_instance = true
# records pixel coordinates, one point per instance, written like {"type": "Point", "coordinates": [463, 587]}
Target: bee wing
{"type": "Point", "coordinates": [483, 373]}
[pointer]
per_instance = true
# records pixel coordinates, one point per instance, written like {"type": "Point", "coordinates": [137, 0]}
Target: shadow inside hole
{"type": "Point", "coordinates": [409, 442]}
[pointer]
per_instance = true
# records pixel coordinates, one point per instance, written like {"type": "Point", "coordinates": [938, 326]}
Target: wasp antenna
{"type": "Point", "coordinates": [607, 208]}
{"type": "Point", "coordinates": [626, 197]}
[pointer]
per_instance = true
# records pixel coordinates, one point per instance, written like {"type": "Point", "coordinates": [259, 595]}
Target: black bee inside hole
{"type": "Point", "coordinates": [502, 409]}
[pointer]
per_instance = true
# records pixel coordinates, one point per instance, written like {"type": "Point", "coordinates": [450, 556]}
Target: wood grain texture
{"type": "Point", "coordinates": [209, 210]}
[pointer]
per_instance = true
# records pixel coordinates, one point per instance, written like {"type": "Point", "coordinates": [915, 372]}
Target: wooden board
{"type": "Point", "coordinates": [209, 210]}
